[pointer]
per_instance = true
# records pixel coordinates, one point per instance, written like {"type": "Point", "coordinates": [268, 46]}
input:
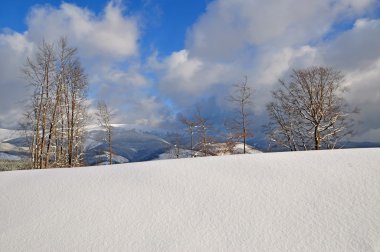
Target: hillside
{"type": "Point", "coordinates": [127, 146]}
{"type": "Point", "coordinates": [305, 201]}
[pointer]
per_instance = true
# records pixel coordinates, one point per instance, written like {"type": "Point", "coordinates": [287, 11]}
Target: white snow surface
{"type": "Point", "coordinates": [301, 201]}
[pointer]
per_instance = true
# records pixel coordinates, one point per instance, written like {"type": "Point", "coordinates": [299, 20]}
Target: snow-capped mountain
{"type": "Point", "coordinates": [13, 145]}
{"type": "Point", "coordinates": [127, 146]}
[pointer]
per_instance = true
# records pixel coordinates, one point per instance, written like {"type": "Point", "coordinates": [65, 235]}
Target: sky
{"type": "Point", "coordinates": [153, 60]}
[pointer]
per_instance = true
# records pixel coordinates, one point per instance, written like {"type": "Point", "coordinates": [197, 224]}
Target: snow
{"type": "Point", "coordinates": [301, 201]}
{"type": "Point", "coordinates": [115, 159]}
{"type": "Point", "coordinates": [239, 149]}
{"type": "Point", "coordinates": [172, 154]}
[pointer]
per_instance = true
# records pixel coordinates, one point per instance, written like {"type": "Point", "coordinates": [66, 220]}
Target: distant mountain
{"type": "Point", "coordinates": [127, 146]}
{"type": "Point", "coordinates": [360, 145]}
{"type": "Point", "coordinates": [13, 145]}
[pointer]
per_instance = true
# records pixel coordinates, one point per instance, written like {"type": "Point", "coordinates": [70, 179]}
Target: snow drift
{"type": "Point", "coordinates": [304, 201]}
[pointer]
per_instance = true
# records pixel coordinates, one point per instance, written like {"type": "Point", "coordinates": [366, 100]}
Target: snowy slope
{"type": "Point", "coordinates": [305, 201]}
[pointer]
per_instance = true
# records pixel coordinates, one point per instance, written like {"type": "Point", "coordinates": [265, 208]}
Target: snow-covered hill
{"type": "Point", "coordinates": [303, 201]}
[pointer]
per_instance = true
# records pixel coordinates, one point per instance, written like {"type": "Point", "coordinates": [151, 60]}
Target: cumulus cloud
{"type": "Point", "coordinates": [355, 48]}
{"type": "Point", "coordinates": [14, 47]}
{"type": "Point", "coordinates": [183, 77]}
{"type": "Point", "coordinates": [357, 54]}
{"type": "Point", "coordinates": [230, 25]}
{"type": "Point", "coordinates": [110, 34]}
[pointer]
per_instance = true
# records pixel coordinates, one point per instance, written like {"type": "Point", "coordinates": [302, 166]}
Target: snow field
{"type": "Point", "coordinates": [304, 201]}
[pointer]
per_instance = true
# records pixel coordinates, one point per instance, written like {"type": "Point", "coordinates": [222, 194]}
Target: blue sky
{"type": "Point", "coordinates": [154, 59]}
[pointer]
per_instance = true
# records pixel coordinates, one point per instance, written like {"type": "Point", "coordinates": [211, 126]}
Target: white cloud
{"type": "Point", "coordinates": [13, 51]}
{"type": "Point", "coordinates": [183, 77]}
{"type": "Point", "coordinates": [357, 53]}
{"type": "Point", "coordinates": [356, 48]}
{"type": "Point", "coordinates": [112, 75]}
{"type": "Point", "coordinates": [230, 25]}
{"type": "Point", "coordinates": [107, 35]}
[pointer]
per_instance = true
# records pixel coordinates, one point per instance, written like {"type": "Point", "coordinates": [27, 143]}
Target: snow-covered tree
{"type": "Point", "coordinates": [104, 117]}
{"type": "Point", "coordinates": [308, 111]}
{"type": "Point", "coordinates": [58, 105]}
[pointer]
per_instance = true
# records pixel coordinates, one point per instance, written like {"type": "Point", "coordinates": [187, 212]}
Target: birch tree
{"type": "Point", "coordinates": [308, 111]}
{"type": "Point", "coordinates": [40, 74]}
{"type": "Point", "coordinates": [58, 106]}
{"type": "Point", "coordinates": [104, 117]}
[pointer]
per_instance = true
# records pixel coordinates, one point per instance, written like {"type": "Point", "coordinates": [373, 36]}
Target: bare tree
{"type": "Point", "coordinates": [175, 139]}
{"type": "Point", "coordinates": [40, 75]}
{"type": "Point", "coordinates": [308, 111]}
{"type": "Point", "coordinates": [229, 144]}
{"type": "Point", "coordinates": [204, 138]}
{"type": "Point", "coordinates": [198, 128]}
{"type": "Point", "coordinates": [240, 126]}
{"type": "Point", "coordinates": [191, 127]}
{"type": "Point", "coordinates": [58, 106]}
{"type": "Point", "coordinates": [104, 117]}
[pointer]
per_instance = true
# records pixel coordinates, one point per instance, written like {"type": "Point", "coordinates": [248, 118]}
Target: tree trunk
{"type": "Point", "coordinates": [52, 127]}
{"type": "Point", "coordinates": [317, 138]}
{"type": "Point", "coordinates": [110, 145]}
